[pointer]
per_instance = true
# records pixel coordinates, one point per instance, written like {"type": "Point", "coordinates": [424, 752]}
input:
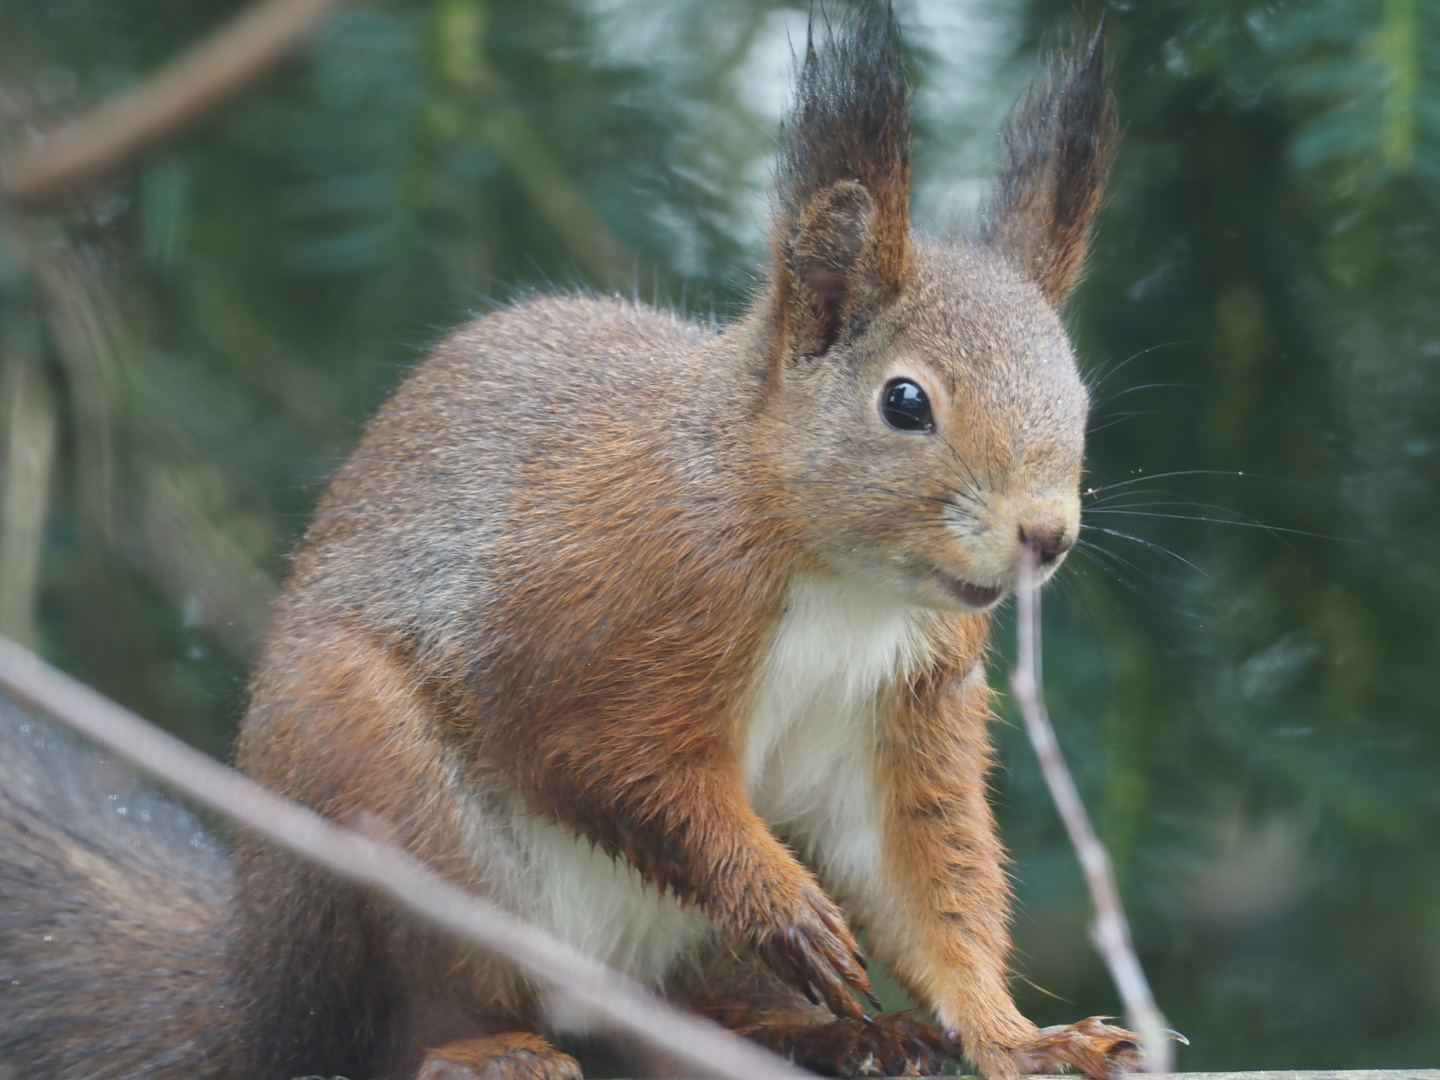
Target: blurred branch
{"type": "Point", "coordinates": [95, 146]}
{"type": "Point", "coordinates": [29, 457]}
{"type": "Point", "coordinates": [579, 987]}
{"type": "Point", "coordinates": [463, 67]}
{"type": "Point", "coordinates": [1111, 931]}
{"type": "Point", "coordinates": [1400, 52]}
{"type": "Point", "coordinates": [199, 566]}
{"type": "Point", "coordinates": [557, 198]}
{"type": "Point", "coordinates": [83, 325]}
{"type": "Point", "coordinates": [167, 538]}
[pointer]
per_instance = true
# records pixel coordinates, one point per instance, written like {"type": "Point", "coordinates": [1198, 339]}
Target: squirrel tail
{"type": "Point", "coordinates": [113, 906]}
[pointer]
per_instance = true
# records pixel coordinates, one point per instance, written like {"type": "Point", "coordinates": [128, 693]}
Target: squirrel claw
{"type": "Point", "coordinates": [815, 953]}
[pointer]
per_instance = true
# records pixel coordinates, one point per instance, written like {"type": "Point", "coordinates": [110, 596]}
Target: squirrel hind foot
{"type": "Point", "coordinates": [519, 1055]}
{"type": "Point", "coordinates": [891, 1044]}
{"type": "Point", "coordinates": [1091, 1047]}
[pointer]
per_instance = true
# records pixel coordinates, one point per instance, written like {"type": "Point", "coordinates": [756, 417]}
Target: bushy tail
{"type": "Point", "coordinates": [113, 902]}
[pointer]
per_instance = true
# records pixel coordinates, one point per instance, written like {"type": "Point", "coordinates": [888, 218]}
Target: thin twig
{"type": "Point", "coordinates": [579, 986]}
{"type": "Point", "coordinates": [1110, 932]}
{"type": "Point", "coordinates": [29, 457]}
{"type": "Point", "coordinates": [86, 150]}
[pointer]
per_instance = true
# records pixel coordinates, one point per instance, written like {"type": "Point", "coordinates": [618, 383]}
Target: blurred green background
{"type": "Point", "coordinates": [1242, 658]}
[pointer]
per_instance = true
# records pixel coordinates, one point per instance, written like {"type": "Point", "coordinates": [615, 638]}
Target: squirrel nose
{"type": "Point", "coordinates": [1050, 543]}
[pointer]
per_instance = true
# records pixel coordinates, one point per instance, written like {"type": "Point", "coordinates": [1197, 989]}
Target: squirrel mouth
{"type": "Point", "coordinates": [975, 596]}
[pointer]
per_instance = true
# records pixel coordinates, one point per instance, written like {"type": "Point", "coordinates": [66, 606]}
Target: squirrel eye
{"type": "Point", "coordinates": [905, 407]}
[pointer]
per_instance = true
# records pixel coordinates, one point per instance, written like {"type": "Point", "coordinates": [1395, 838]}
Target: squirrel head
{"type": "Point", "coordinates": [942, 414]}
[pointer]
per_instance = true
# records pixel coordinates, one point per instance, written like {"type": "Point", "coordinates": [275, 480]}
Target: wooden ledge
{"type": "Point", "coordinates": [1292, 1074]}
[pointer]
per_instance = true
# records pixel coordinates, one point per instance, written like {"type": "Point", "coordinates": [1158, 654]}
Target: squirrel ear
{"type": "Point", "coordinates": [1056, 155]}
{"type": "Point", "coordinates": [842, 183]}
{"type": "Point", "coordinates": [829, 265]}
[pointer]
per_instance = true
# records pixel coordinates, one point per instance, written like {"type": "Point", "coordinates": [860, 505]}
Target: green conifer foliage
{"type": "Point", "coordinates": [1242, 654]}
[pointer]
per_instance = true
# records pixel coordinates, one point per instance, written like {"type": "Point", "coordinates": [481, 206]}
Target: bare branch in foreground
{"type": "Point", "coordinates": [1110, 931]}
{"type": "Point", "coordinates": [577, 985]}
{"type": "Point", "coordinates": [100, 143]}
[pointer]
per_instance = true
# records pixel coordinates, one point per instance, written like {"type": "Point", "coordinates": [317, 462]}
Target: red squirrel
{"type": "Point", "coordinates": [670, 640]}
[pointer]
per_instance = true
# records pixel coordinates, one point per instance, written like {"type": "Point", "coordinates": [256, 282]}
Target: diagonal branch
{"type": "Point", "coordinates": [1110, 931]}
{"type": "Point", "coordinates": [84, 151]}
{"type": "Point", "coordinates": [578, 986]}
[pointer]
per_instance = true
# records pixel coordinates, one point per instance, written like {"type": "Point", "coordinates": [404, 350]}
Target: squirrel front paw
{"type": "Point", "coordinates": [815, 952]}
{"type": "Point", "coordinates": [891, 1044]}
{"type": "Point", "coordinates": [1091, 1047]}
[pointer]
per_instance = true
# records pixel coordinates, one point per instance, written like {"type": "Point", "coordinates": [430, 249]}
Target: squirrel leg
{"type": "Point", "coordinates": [688, 827]}
{"type": "Point", "coordinates": [331, 980]}
{"type": "Point", "coordinates": [733, 986]}
{"type": "Point", "coordinates": [946, 900]}
{"type": "Point", "coordinates": [515, 1055]}
{"type": "Point", "coordinates": [752, 885]}
{"type": "Point", "coordinates": [774, 903]}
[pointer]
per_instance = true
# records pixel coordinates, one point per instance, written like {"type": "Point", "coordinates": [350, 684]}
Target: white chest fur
{"type": "Point", "coordinates": [565, 884]}
{"type": "Point", "coordinates": [810, 742]}
{"type": "Point", "coordinates": [808, 761]}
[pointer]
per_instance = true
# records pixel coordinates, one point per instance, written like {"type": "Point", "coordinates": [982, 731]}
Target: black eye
{"type": "Point", "coordinates": [905, 407]}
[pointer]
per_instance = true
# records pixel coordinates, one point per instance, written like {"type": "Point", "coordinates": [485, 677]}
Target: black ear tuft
{"type": "Point", "coordinates": [1056, 156]}
{"type": "Point", "coordinates": [842, 188]}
